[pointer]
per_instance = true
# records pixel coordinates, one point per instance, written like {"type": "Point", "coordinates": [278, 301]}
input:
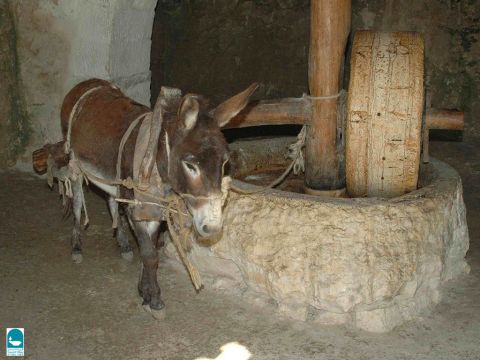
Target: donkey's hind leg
{"type": "Point", "coordinates": [122, 230]}
{"type": "Point", "coordinates": [76, 241]}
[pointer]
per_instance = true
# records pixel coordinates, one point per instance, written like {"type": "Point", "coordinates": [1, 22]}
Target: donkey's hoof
{"type": "Point", "coordinates": [157, 314]}
{"type": "Point", "coordinates": [77, 258]}
{"type": "Point", "coordinates": [127, 255]}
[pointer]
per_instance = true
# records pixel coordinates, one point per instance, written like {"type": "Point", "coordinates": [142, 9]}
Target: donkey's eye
{"type": "Point", "coordinates": [190, 168]}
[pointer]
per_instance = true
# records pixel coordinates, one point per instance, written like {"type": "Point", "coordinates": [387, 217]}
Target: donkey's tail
{"type": "Point", "coordinates": [40, 162]}
{"type": "Point", "coordinates": [55, 151]}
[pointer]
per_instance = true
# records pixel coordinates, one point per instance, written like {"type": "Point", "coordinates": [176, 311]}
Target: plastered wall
{"type": "Point", "coordinates": [60, 43]}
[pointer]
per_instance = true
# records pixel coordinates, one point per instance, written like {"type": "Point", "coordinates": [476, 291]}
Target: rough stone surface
{"type": "Point", "coordinates": [370, 263]}
{"type": "Point", "coordinates": [14, 122]}
{"type": "Point", "coordinates": [217, 48]}
{"type": "Point", "coordinates": [61, 43]}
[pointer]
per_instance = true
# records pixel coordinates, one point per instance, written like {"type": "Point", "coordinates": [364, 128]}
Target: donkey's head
{"type": "Point", "coordinates": [197, 154]}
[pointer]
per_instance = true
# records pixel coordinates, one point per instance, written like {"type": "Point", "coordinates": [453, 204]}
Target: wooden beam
{"type": "Point", "coordinates": [297, 111]}
{"type": "Point", "coordinates": [290, 111]}
{"type": "Point", "coordinates": [445, 119]}
{"type": "Point", "coordinates": [441, 120]}
{"type": "Point", "coordinates": [329, 30]}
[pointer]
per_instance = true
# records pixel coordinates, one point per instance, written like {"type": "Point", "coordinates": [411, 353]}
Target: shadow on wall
{"type": "Point", "coordinates": [219, 47]}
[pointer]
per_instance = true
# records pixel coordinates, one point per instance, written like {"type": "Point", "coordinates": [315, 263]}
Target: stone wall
{"type": "Point", "coordinates": [14, 123]}
{"type": "Point", "coordinates": [217, 47]}
{"type": "Point", "coordinates": [60, 43]}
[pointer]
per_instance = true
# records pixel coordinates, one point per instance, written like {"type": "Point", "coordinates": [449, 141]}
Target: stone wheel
{"type": "Point", "coordinates": [384, 113]}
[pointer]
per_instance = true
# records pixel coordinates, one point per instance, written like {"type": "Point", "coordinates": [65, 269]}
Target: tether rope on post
{"type": "Point", "coordinates": [295, 150]}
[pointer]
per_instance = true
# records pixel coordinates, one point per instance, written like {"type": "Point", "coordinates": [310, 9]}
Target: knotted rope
{"type": "Point", "coordinates": [77, 108]}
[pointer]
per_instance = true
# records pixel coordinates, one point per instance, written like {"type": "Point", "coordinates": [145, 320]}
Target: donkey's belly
{"type": "Point", "coordinates": [90, 169]}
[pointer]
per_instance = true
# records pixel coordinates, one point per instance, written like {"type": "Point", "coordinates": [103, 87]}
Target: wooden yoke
{"type": "Point", "coordinates": [329, 30]}
{"type": "Point", "coordinates": [150, 157]}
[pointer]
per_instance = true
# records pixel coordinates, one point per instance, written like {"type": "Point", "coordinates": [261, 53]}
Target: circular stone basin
{"type": "Point", "coordinates": [370, 263]}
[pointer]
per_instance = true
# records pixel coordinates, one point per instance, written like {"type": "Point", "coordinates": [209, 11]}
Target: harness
{"type": "Point", "coordinates": [153, 199]}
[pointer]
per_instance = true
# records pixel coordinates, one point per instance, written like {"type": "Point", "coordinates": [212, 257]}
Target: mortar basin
{"type": "Point", "coordinates": [369, 263]}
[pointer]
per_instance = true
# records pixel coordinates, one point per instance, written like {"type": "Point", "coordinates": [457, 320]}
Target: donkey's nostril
{"type": "Point", "coordinates": [205, 228]}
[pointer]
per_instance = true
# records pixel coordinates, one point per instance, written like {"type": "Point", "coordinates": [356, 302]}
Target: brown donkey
{"type": "Point", "coordinates": [182, 150]}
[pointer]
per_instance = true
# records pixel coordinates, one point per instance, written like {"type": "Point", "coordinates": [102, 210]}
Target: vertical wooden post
{"type": "Point", "coordinates": [329, 28]}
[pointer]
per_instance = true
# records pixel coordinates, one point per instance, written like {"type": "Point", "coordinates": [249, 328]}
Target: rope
{"type": "Point", "coordinates": [74, 113]}
{"type": "Point", "coordinates": [172, 207]}
{"type": "Point", "coordinates": [125, 137]}
{"type": "Point", "coordinates": [129, 183]}
{"type": "Point", "coordinates": [75, 172]}
{"type": "Point", "coordinates": [327, 97]}
{"type": "Point", "coordinates": [177, 226]}
{"type": "Point", "coordinates": [296, 149]}
{"type": "Point", "coordinates": [183, 231]}
{"type": "Point", "coordinates": [295, 152]}
{"type": "Point", "coordinates": [274, 183]}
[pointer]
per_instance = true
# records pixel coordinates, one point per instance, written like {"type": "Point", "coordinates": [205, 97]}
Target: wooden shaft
{"type": "Point", "coordinates": [297, 111]}
{"type": "Point", "coordinates": [329, 29]}
{"type": "Point", "coordinates": [445, 119]}
{"type": "Point", "coordinates": [442, 120]}
{"type": "Point", "coordinates": [294, 111]}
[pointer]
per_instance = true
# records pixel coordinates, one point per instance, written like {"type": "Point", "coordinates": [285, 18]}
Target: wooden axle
{"type": "Point", "coordinates": [296, 111]}
{"type": "Point", "coordinates": [444, 119]}
{"type": "Point", "coordinates": [440, 120]}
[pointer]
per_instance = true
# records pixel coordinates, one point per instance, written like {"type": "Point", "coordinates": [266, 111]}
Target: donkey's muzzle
{"type": "Point", "coordinates": [207, 217]}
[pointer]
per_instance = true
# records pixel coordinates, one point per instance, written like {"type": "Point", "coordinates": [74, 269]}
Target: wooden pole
{"type": "Point", "coordinates": [297, 111]}
{"type": "Point", "coordinates": [290, 111]}
{"type": "Point", "coordinates": [329, 29]}
{"type": "Point", "coordinates": [441, 120]}
{"type": "Point", "coordinates": [445, 119]}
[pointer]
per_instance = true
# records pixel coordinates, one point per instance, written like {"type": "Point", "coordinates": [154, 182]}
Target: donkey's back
{"type": "Point", "coordinates": [106, 113]}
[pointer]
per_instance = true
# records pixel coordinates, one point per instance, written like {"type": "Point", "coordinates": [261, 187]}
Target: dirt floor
{"type": "Point", "coordinates": [92, 311]}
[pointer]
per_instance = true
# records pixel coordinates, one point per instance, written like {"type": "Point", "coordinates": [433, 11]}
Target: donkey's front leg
{"type": "Point", "coordinates": [76, 242]}
{"type": "Point", "coordinates": [147, 232]}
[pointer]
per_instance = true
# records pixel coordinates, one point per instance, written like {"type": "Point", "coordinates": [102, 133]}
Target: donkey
{"type": "Point", "coordinates": [189, 156]}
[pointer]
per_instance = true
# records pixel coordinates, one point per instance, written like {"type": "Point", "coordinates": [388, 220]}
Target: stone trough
{"type": "Point", "coordinates": [369, 263]}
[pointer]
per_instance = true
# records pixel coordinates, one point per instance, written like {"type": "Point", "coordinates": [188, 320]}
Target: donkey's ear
{"type": "Point", "coordinates": [188, 112]}
{"type": "Point", "coordinates": [224, 112]}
